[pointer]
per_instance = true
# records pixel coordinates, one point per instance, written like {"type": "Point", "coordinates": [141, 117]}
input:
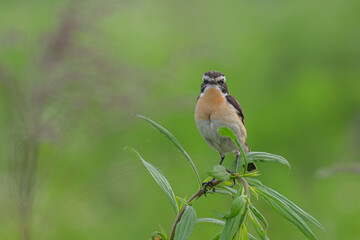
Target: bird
{"type": "Point", "coordinates": [216, 108]}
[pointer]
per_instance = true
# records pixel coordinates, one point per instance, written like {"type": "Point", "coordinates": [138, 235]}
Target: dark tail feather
{"type": "Point", "coordinates": [251, 167]}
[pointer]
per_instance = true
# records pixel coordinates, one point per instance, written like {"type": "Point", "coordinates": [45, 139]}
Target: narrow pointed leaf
{"type": "Point", "coordinates": [230, 189]}
{"type": "Point", "coordinates": [219, 214]}
{"type": "Point", "coordinates": [163, 231]}
{"type": "Point", "coordinates": [291, 216]}
{"type": "Point", "coordinates": [258, 215]}
{"type": "Point", "coordinates": [186, 225]}
{"type": "Point", "coordinates": [223, 191]}
{"type": "Point", "coordinates": [230, 228]}
{"type": "Point", "coordinates": [160, 180]}
{"type": "Point", "coordinates": [245, 235]}
{"type": "Point", "coordinates": [302, 213]}
{"type": "Point", "coordinates": [284, 208]}
{"type": "Point", "coordinates": [237, 205]}
{"type": "Point", "coordinates": [183, 202]}
{"type": "Point", "coordinates": [260, 231]}
{"type": "Point", "coordinates": [176, 143]}
{"type": "Point", "coordinates": [266, 157]}
{"type": "Point", "coordinates": [157, 233]}
{"type": "Point", "coordinates": [232, 225]}
{"type": "Point", "coordinates": [216, 236]}
{"type": "Point", "coordinates": [211, 220]}
{"type": "Point", "coordinates": [251, 237]}
{"type": "Point", "coordinates": [219, 172]}
{"type": "Point", "coordinates": [260, 157]}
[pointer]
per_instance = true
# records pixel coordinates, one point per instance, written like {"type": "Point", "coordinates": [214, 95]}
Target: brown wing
{"type": "Point", "coordinates": [230, 99]}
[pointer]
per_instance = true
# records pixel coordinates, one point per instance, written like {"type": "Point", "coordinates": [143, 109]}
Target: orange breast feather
{"type": "Point", "coordinates": [210, 104]}
{"type": "Point", "coordinates": [213, 106]}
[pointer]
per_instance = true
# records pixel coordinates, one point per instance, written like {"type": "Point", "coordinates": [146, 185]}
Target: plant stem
{"type": "Point", "coordinates": [196, 196]}
{"type": "Point", "coordinates": [246, 186]}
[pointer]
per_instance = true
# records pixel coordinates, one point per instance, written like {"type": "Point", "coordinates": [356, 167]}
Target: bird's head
{"type": "Point", "coordinates": [214, 79]}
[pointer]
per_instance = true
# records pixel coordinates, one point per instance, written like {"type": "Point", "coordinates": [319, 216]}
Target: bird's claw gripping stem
{"type": "Point", "coordinates": [207, 185]}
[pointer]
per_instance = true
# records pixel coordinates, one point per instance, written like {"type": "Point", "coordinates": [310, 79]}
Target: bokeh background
{"type": "Point", "coordinates": [73, 73]}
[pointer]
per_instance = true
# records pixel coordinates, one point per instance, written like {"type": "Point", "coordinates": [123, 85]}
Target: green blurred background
{"type": "Point", "coordinates": [73, 73]}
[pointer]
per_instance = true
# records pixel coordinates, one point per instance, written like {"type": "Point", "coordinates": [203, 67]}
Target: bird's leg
{"type": "Point", "coordinates": [236, 168]}
{"type": "Point", "coordinates": [237, 162]}
{"type": "Point", "coordinates": [222, 159]}
{"type": "Point", "coordinates": [209, 184]}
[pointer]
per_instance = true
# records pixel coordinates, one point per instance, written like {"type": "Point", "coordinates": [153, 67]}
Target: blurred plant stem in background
{"type": "Point", "coordinates": [348, 168]}
{"type": "Point", "coordinates": [56, 67]}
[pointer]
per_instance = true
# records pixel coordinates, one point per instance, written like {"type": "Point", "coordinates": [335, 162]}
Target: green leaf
{"type": "Point", "coordinates": [245, 235]}
{"type": "Point", "coordinates": [229, 189]}
{"type": "Point", "coordinates": [211, 220]}
{"type": "Point", "coordinates": [226, 190]}
{"type": "Point", "coordinates": [183, 202]}
{"type": "Point", "coordinates": [306, 216]}
{"type": "Point", "coordinates": [260, 231]}
{"type": "Point", "coordinates": [237, 205]}
{"type": "Point", "coordinates": [230, 228]}
{"type": "Point", "coordinates": [224, 131]}
{"type": "Point", "coordinates": [223, 191]}
{"type": "Point", "coordinates": [216, 237]}
{"type": "Point", "coordinates": [261, 157]}
{"type": "Point", "coordinates": [160, 179]}
{"type": "Point", "coordinates": [176, 143]}
{"type": "Point", "coordinates": [219, 172]}
{"type": "Point", "coordinates": [186, 225]}
{"type": "Point", "coordinates": [291, 216]}
{"type": "Point", "coordinates": [251, 237]}
{"type": "Point", "coordinates": [285, 208]}
{"type": "Point", "coordinates": [258, 215]}
{"type": "Point", "coordinates": [266, 157]}
{"type": "Point", "coordinates": [303, 214]}
{"type": "Point", "coordinates": [219, 214]}
{"type": "Point", "coordinates": [163, 231]}
{"type": "Point", "coordinates": [232, 225]}
{"type": "Point", "coordinates": [157, 233]}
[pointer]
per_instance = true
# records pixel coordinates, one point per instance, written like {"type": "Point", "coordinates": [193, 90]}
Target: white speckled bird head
{"type": "Point", "coordinates": [214, 79]}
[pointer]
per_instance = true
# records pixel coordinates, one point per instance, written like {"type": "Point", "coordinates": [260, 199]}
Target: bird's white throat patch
{"type": "Point", "coordinates": [215, 87]}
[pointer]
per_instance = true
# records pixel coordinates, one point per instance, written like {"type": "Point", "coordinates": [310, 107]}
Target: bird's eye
{"type": "Point", "coordinates": [206, 81]}
{"type": "Point", "coordinates": [221, 82]}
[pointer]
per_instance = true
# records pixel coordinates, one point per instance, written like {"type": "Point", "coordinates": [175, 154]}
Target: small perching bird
{"type": "Point", "coordinates": [216, 108]}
